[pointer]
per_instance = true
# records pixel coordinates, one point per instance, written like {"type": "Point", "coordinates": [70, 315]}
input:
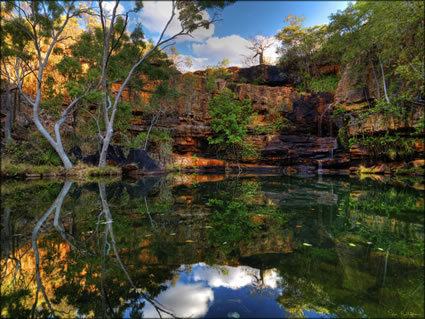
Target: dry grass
{"type": "Point", "coordinates": [9, 169]}
{"type": "Point", "coordinates": [82, 171]}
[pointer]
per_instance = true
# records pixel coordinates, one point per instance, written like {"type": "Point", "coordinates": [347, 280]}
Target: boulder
{"type": "Point", "coordinates": [141, 160]}
{"type": "Point", "coordinates": [76, 151]}
{"type": "Point", "coordinates": [269, 74]}
{"type": "Point", "coordinates": [380, 169]}
{"type": "Point", "coordinates": [395, 166]}
{"type": "Point", "coordinates": [115, 155]}
{"type": "Point", "coordinates": [92, 159]}
{"type": "Point", "coordinates": [349, 92]}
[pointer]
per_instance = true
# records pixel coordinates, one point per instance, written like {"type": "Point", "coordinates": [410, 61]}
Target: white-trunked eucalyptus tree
{"type": "Point", "coordinates": [42, 24]}
{"type": "Point", "coordinates": [191, 16]}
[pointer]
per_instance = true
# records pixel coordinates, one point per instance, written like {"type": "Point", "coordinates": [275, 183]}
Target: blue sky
{"type": "Point", "coordinates": [227, 38]}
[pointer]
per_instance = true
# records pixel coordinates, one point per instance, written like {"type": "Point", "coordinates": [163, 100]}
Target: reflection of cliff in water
{"type": "Point", "coordinates": [261, 223]}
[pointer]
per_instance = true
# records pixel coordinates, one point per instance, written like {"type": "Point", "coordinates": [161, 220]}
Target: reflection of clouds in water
{"type": "Point", "coordinates": [272, 279]}
{"type": "Point", "coordinates": [192, 296]}
{"type": "Point", "coordinates": [224, 276]}
{"type": "Point", "coordinates": [233, 277]}
{"type": "Point", "coordinates": [183, 300]}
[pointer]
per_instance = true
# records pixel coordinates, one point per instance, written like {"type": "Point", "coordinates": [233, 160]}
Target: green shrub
{"type": "Point", "coordinates": [343, 138]}
{"type": "Point", "coordinates": [211, 86]}
{"type": "Point", "coordinates": [102, 171]}
{"type": "Point", "coordinates": [36, 151]}
{"type": "Point", "coordinates": [386, 146]}
{"type": "Point", "coordinates": [229, 124]}
{"type": "Point", "coordinates": [271, 128]}
{"type": "Point", "coordinates": [420, 127]}
{"type": "Point", "coordinates": [259, 81]}
{"type": "Point", "coordinates": [326, 83]}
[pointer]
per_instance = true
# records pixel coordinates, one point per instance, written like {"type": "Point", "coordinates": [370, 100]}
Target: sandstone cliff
{"type": "Point", "coordinates": [308, 142]}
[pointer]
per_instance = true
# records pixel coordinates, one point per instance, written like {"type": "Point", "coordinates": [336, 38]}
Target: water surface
{"type": "Point", "coordinates": [212, 246]}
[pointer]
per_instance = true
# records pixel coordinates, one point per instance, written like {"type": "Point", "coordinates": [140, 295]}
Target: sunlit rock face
{"type": "Point", "coordinates": [378, 123]}
{"type": "Point", "coordinates": [348, 92]}
{"type": "Point", "coordinates": [188, 121]}
{"type": "Point", "coordinates": [310, 117]}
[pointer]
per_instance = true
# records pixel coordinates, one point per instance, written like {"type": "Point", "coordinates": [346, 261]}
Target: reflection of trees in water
{"type": "Point", "coordinates": [109, 230]}
{"type": "Point", "coordinates": [102, 261]}
{"type": "Point", "coordinates": [74, 265]}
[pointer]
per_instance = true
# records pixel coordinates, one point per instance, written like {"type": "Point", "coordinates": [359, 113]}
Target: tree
{"type": "Point", "coordinates": [44, 23]}
{"type": "Point", "coordinates": [386, 35]}
{"type": "Point", "coordinates": [127, 48]}
{"type": "Point", "coordinates": [161, 100]}
{"type": "Point", "coordinates": [300, 46]}
{"type": "Point", "coordinates": [229, 123]}
{"type": "Point", "coordinates": [15, 54]}
{"type": "Point", "coordinates": [190, 17]}
{"type": "Point", "coordinates": [259, 45]}
{"type": "Point", "coordinates": [181, 62]}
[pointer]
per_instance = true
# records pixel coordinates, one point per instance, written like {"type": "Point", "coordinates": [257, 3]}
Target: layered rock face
{"type": "Point", "coordinates": [308, 143]}
{"type": "Point", "coordinates": [357, 100]}
{"type": "Point", "coordinates": [310, 136]}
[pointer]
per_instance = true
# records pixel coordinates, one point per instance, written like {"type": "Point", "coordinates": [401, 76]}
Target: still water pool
{"type": "Point", "coordinates": [212, 246]}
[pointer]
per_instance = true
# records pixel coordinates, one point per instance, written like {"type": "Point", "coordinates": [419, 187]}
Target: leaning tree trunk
{"type": "Point", "coordinates": [383, 80]}
{"type": "Point", "coordinates": [56, 144]}
{"type": "Point", "coordinates": [154, 119]}
{"type": "Point", "coordinates": [106, 141]}
{"type": "Point", "coordinates": [9, 115]}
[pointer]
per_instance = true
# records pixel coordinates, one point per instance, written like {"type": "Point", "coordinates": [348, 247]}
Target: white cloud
{"type": "Point", "coordinates": [234, 277]}
{"type": "Point", "coordinates": [108, 7]}
{"type": "Point", "coordinates": [193, 295]}
{"type": "Point", "coordinates": [232, 47]}
{"type": "Point", "coordinates": [183, 300]}
{"type": "Point", "coordinates": [155, 15]}
{"type": "Point", "coordinates": [195, 63]}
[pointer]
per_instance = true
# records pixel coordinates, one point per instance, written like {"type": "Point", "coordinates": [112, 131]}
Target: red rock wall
{"type": "Point", "coordinates": [295, 145]}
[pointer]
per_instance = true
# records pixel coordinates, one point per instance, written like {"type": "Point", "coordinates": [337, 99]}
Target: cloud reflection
{"type": "Point", "coordinates": [183, 300]}
{"type": "Point", "coordinates": [193, 293]}
{"type": "Point", "coordinates": [234, 277]}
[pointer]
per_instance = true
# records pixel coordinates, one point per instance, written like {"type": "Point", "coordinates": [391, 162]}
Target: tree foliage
{"type": "Point", "coordinates": [229, 124]}
{"type": "Point", "coordinates": [230, 118]}
{"type": "Point", "coordinates": [300, 46]}
{"type": "Point", "coordinates": [386, 36]}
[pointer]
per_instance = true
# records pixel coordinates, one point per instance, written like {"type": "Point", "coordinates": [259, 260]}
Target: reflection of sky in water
{"type": "Point", "coordinates": [221, 291]}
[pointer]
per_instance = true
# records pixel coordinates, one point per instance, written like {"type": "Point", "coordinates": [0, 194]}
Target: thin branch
{"type": "Point", "coordinates": [114, 45]}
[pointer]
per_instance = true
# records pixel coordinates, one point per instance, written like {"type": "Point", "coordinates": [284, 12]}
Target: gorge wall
{"type": "Point", "coordinates": [310, 140]}
{"type": "Point", "coordinates": [324, 131]}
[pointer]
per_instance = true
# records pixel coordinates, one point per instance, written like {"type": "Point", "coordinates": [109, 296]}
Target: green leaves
{"type": "Point", "coordinates": [229, 118]}
{"type": "Point", "coordinates": [75, 89]}
{"type": "Point", "coordinates": [363, 35]}
{"type": "Point", "coordinates": [368, 31]}
{"type": "Point", "coordinates": [229, 123]}
{"type": "Point", "coordinates": [69, 67]}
